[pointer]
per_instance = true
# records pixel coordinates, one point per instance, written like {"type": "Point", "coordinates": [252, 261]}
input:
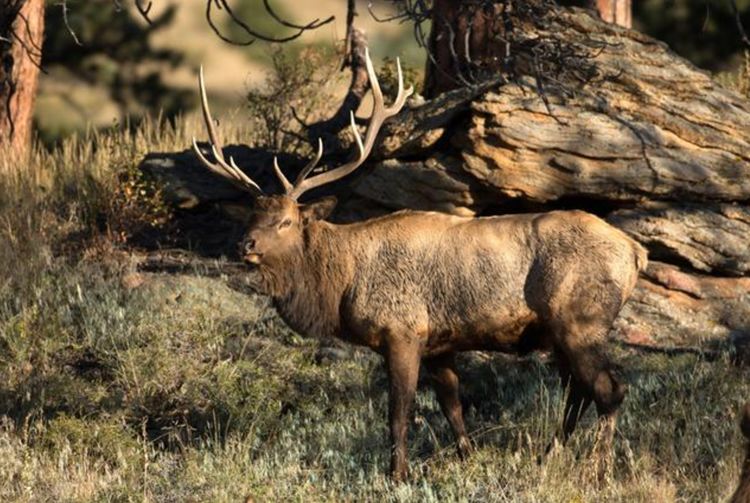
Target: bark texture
{"type": "Point", "coordinates": [648, 125]}
{"type": "Point", "coordinates": [711, 238]}
{"type": "Point", "coordinates": [19, 74]}
{"type": "Point", "coordinates": [616, 11]}
{"type": "Point", "coordinates": [464, 40]}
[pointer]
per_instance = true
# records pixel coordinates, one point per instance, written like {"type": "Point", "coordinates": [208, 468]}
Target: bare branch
{"type": "Point", "coordinates": [310, 26]}
{"type": "Point", "coordinates": [64, 6]}
{"type": "Point", "coordinates": [222, 4]}
{"type": "Point", "coordinates": [30, 53]}
{"type": "Point", "coordinates": [397, 16]}
{"type": "Point", "coordinates": [454, 55]}
{"type": "Point", "coordinates": [142, 10]}
{"type": "Point", "coordinates": [34, 44]}
{"type": "Point", "coordinates": [351, 13]}
{"type": "Point", "coordinates": [738, 22]}
{"type": "Point", "coordinates": [209, 4]}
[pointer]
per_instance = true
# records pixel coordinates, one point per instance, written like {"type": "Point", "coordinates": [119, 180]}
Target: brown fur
{"type": "Point", "coordinates": [418, 286]}
{"type": "Point", "coordinates": [742, 495]}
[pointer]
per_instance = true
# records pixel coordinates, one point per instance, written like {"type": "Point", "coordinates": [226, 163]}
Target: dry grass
{"type": "Point", "coordinates": [182, 389]}
{"type": "Point", "coordinates": [739, 79]}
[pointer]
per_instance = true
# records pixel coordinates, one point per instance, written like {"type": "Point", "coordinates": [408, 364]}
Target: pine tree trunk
{"type": "Point", "coordinates": [616, 11]}
{"type": "Point", "coordinates": [19, 74]}
{"type": "Point", "coordinates": [463, 41]}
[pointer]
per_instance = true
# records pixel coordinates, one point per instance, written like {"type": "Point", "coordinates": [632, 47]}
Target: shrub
{"type": "Point", "coordinates": [299, 87]}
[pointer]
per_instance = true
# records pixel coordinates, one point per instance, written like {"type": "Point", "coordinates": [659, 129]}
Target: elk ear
{"type": "Point", "coordinates": [319, 210]}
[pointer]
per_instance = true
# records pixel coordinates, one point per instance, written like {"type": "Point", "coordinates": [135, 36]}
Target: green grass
{"type": "Point", "coordinates": [119, 385]}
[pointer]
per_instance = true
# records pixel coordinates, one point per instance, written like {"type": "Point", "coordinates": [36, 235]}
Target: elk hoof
{"type": "Point", "coordinates": [553, 447]}
{"type": "Point", "coordinates": [399, 475]}
{"type": "Point", "coordinates": [465, 449]}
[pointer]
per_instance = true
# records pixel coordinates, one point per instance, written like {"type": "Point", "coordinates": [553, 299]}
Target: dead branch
{"type": "Point", "coordinates": [351, 13]}
{"type": "Point", "coordinates": [738, 22]}
{"type": "Point", "coordinates": [66, 22]}
{"type": "Point", "coordinates": [254, 35]}
{"type": "Point", "coordinates": [329, 128]}
{"type": "Point", "coordinates": [143, 10]}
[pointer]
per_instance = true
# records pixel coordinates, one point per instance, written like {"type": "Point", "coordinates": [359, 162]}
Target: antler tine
{"type": "Point", "coordinates": [377, 93]}
{"type": "Point", "coordinates": [283, 179]}
{"type": "Point", "coordinates": [379, 114]}
{"type": "Point", "coordinates": [311, 165]}
{"type": "Point", "coordinates": [288, 187]}
{"type": "Point", "coordinates": [357, 137]}
{"type": "Point", "coordinates": [221, 167]}
{"type": "Point", "coordinates": [402, 94]}
{"type": "Point", "coordinates": [207, 119]}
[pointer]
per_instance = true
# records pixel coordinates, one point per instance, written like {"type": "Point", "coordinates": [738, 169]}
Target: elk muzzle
{"type": "Point", "coordinates": [249, 253]}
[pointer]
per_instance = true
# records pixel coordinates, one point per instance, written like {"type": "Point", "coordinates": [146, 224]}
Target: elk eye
{"type": "Point", "coordinates": [286, 223]}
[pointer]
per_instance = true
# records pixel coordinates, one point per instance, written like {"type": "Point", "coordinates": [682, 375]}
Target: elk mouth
{"type": "Point", "coordinates": [253, 258]}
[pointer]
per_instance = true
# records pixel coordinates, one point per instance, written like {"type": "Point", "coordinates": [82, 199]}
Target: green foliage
{"type": "Point", "coordinates": [299, 84]}
{"type": "Point", "coordinates": [134, 204]}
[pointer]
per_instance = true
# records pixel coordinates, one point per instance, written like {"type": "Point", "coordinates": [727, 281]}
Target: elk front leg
{"type": "Point", "coordinates": [403, 371]}
{"type": "Point", "coordinates": [445, 382]}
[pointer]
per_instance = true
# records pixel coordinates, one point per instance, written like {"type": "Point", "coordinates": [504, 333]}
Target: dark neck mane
{"type": "Point", "coordinates": [307, 284]}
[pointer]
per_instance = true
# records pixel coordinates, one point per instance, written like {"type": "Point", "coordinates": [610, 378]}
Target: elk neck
{"type": "Point", "coordinates": [307, 283]}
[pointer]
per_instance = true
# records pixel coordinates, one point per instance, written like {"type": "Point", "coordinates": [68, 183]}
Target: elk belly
{"type": "Point", "coordinates": [510, 334]}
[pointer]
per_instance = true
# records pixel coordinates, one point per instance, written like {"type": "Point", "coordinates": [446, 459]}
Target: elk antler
{"type": "Point", "coordinates": [379, 114]}
{"type": "Point", "coordinates": [221, 167]}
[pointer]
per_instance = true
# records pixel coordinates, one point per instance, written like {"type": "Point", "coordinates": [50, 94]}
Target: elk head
{"type": "Point", "coordinates": [278, 222]}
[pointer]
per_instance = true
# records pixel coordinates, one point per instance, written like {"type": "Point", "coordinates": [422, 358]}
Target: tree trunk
{"type": "Point", "coordinates": [19, 75]}
{"type": "Point", "coordinates": [616, 11]}
{"type": "Point", "coordinates": [463, 45]}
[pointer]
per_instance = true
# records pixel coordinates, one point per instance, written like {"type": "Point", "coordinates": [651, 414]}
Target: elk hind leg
{"type": "Point", "coordinates": [593, 380]}
{"type": "Point", "coordinates": [578, 399]}
{"type": "Point", "coordinates": [445, 382]}
{"type": "Point", "coordinates": [577, 402]}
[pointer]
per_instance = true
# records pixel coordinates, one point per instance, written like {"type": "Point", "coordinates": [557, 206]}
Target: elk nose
{"type": "Point", "coordinates": [249, 246]}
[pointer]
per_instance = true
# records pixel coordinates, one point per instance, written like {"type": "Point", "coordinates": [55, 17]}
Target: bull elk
{"type": "Point", "coordinates": [417, 287]}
